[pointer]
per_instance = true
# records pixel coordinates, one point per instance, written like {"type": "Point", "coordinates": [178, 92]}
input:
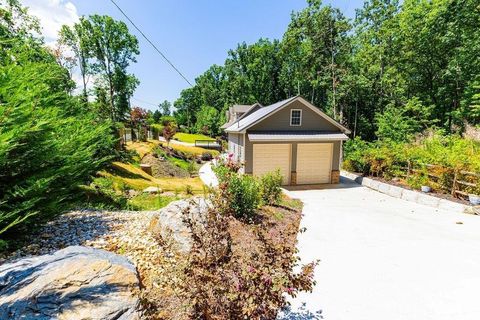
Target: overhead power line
{"type": "Point", "coordinates": [151, 43]}
{"type": "Point", "coordinates": [143, 101]}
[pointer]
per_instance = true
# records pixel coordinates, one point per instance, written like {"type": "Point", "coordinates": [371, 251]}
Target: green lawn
{"type": "Point", "coordinates": [190, 138]}
{"type": "Point", "coordinates": [150, 201]}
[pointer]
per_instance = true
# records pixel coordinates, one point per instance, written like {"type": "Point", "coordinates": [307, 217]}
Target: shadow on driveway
{"type": "Point", "coordinates": [299, 314]}
{"type": "Point", "coordinates": [345, 183]}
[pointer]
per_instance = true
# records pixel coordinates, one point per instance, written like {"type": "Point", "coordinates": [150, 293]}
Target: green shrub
{"type": "Point", "coordinates": [168, 120]}
{"type": "Point", "coordinates": [101, 195]}
{"type": "Point", "coordinates": [225, 168]}
{"type": "Point", "coordinates": [206, 156]}
{"type": "Point", "coordinates": [49, 143]}
{"type": "Point", "coordinates": [354, 151]}
{"type": "Point", "coordinates": [416, 181]}
{"type": "Point", "coordinates": [271, 184]}
{"type": "Point", "coordinates": [157, 129]}
{"type": "Point", "coordinates": [189, 189]}
{"type": "Point", "coordinates": [160, 152]}
{"type": "Point", "coordinates": [243, 193]}
{"type": "Point", "coordinates": [191, 167]}
{"type": "Point", "coordinates": [446, 154]}
{"type": "Point", "coordinates": [239, 195]}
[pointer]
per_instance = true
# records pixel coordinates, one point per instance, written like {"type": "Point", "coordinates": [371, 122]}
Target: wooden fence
{"type": "Point", "coordinates": [209, 144]}
{"type": "Point", "coordinates": [455, 182]}
{"type": "Point", "coordinates": [134, 134]}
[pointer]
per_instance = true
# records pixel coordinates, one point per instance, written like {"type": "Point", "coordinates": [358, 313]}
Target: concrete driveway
{"type": "Point", "coordinates": [387, 259]}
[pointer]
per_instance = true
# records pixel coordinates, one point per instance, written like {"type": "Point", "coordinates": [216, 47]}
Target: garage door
{"type": "Point", "coordinates": [314, 163]}
{"type": "Point", "coordinates": [269, 157]}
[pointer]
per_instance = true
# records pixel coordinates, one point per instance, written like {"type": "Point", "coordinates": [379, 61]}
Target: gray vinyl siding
{"type": "Point", "coordinates": [281, 120]}
{"type": "Point", "coordinates": [235, 146]}
{"type": "Point", "coordinates": [249, 153]}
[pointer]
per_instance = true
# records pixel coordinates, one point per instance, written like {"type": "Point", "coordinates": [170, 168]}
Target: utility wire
{"type": "Point", "coordinates": [143, 101]}
{"type": "Point", "coordinates": [153, 45]}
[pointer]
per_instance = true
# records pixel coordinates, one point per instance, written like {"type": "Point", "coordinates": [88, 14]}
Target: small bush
{"type": "Point", "coordinates": [271, 187]}
{"type": "Point", "coordinates": [188, 189]}
{"type": "Point", "coordinates": [207, 156]}
{"type": "Point", "coordinates": [157, 129]}
{"type": "Point", "coordinates": [160, 152]}
{"type": "Point", "coordinates": [243, 192]}
{"type": "Point", "coordinates": [416, 181]}
{"type": "Point", "coordinates": [101, 195]}
{"type": "Point", "coordinates": [239, 195]}
{"type": "Point", "coordinates": [191, 167]}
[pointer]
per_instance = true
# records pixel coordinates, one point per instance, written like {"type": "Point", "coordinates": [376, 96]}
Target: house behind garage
{"type": "Point", "coordinates": [293, 136]}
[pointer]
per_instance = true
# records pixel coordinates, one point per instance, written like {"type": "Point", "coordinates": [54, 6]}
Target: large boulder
{"type": "Point", "coordinates": [170, 223]}
{"type": "Point", "coordinates": [72, 283]}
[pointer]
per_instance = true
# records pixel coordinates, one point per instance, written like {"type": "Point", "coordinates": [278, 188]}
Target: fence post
{"type": "Point", "coordinates": [454, 184]}
{"type": "Point", "coordinates": [408, 168]}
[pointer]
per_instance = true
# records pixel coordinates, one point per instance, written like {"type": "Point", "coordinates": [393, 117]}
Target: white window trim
{"type": "Point", "coordinates": [291, 113]}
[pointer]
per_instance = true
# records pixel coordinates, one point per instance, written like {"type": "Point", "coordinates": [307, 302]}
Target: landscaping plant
{"type": "Point", "coordinates": [239, 270]}
{"type": "Point", "coordinates": [271, 183]}
{"type": "Point", "coordinates": [239, 195]}
{"type": "Point", "coordinates": [416, 161]}
{"type": "Point", "coordinates": [169, 131]}
{"type": "Point", "coordinates": [49, 145]}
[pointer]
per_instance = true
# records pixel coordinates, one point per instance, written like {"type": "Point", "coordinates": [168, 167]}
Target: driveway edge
{"type": "Point", "coordinates": [410, 195]}
{"type": "Point", "coordinates": [207, 175]}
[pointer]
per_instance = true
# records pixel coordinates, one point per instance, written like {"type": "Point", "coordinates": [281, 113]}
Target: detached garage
{"type": "Point", "coordinates": [292, 136]}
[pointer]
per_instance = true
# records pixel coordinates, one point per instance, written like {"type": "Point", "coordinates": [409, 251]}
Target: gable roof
{"type": "Point", "coordinates": [240, 108]}
{"type": "Point", "coordinates": [244, 123]}
{"type": "Point", "coordinates": [244, 109]}
{"type": "Point", "coordinates": [261, 113]}
{"type": "Point", "coordinates": [249, 110]}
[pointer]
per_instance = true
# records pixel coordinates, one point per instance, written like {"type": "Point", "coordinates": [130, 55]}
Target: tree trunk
{"type": "Point", "coordinates": [112, 106]}
{"type": "Point", "coordinates": [111, 91]}
{"type": "Point", "coordinates": [355, 121]}
{"type": "Point", "coordinates": [83, 71]}
{"type": "Point", "coordinates": [332, 64]}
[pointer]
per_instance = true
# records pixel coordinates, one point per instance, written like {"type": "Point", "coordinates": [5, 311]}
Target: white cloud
{"type": "Point", "coordinates": [52, 15]}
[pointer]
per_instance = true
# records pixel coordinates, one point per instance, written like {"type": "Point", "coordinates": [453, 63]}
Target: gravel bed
{"type": "Point", "coordinates": [122, 232]}
{"type": "Point", "coordinates": [85, 227]}
{"type": "Point", "coordinates": [126, 233]}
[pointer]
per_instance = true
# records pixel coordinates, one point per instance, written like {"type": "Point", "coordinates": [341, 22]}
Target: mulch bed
{"type": "Point", "coordinates": [279, 224]}
{"type": "Point", "coordinates": [163, 168]}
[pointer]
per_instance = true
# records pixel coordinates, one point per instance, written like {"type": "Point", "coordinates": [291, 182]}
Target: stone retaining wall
{"type": "Point", "coordinates": [410, 195]}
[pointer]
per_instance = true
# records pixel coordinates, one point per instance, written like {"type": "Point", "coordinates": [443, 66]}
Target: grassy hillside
{"type": "Point", "coordinates": [190, 138]}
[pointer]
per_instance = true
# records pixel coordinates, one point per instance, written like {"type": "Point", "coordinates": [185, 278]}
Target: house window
{"type": "Point", "coordinates": [296, 117]}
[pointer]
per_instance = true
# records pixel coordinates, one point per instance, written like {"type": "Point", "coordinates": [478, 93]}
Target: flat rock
{"type": "Point", "coordinates": [451, 206]}
{"type": "Point", "coordinates": [152, 190]}
{"type": "Point", "coordinates": [410, 195]}
{"type": "Point", "coordinates": [383, 187]}
{"type": "Point", "coordinates": [395, 191]}
{"type": "Point", "coordinates": [428, 200]}
{"type": "Point", "coordinates": [73, 283]}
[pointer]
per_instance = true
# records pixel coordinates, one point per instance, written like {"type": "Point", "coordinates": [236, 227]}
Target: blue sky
{"type": "Point", "coordinates": [192, 34]}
